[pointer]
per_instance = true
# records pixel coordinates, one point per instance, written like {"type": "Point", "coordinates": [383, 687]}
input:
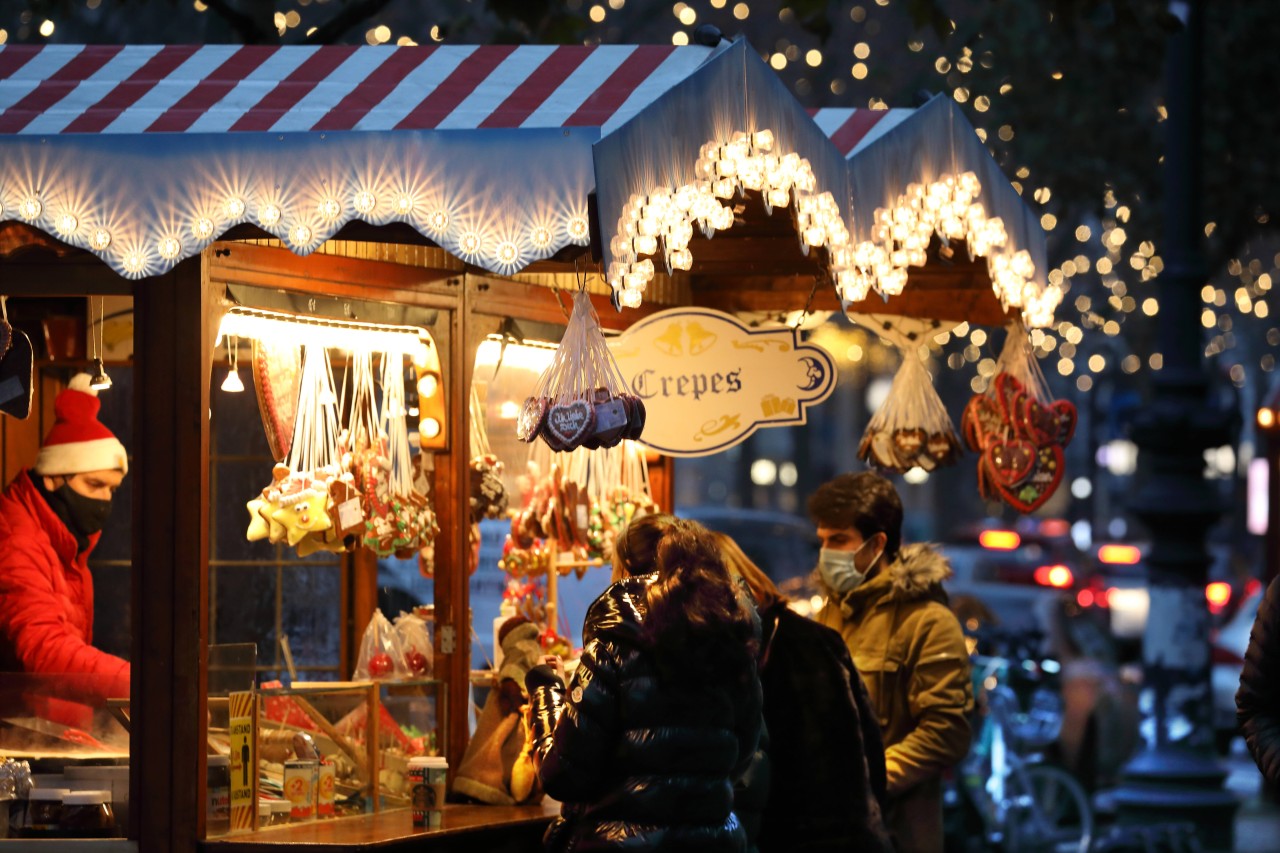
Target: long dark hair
{"type": "Point", "coordinates": [697, 625]}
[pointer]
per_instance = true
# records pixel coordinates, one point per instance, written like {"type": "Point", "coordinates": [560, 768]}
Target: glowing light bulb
{"type": "Point", "coordinates": [133, 261]}
{"type": "Point", "coordinates": [507, 252]}
{"type": "Point", "coordinates": [170, 248]}
{"type": "Point", "coordinates": [67, 224]}
{"type": "Point", "coordinates": [578, 228]}
{"type": "Point", "coordinates": [269, 215]}
{"type": "Point", "coordinates": [428, 384]}
{"type": "Point", "coordinates": [232, 383]}
{"type": "Point", "coordinates": [429, 427]}
{"type": "Point", "coordinates": [234, 207]}
{"type": "Point", "coordinates": [329, 209]}
{"type": "Point", "coordinates": [541, 237]}
{"type": "Point", "coordinates": [404, 205]}
{"type": "Point", "coordinates": [30, 208]}
{"type": "Point", "coordinates": [101, 239]}
{"type": "Point", "coordinates": [438, 221]}
{"type": "Point", "coordinates": [470, 243]}
{"type": "Point", "coordinates": [364, 202]}
{"type": "Point", "coordinates": [301, 235]}
{"type": "Point", "coordinates": [202, 228]}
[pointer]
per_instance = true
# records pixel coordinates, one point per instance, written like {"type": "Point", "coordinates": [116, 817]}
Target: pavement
{"type": "Point", "coordinates": [1258, 821]}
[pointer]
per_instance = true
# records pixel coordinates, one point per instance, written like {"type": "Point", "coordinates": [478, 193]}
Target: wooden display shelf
{"type": "Point", "coordinates": [465, 827]}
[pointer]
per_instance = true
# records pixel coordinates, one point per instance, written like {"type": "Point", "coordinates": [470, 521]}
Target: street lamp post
{"type": "Point", "coordinates": [1177, 777]}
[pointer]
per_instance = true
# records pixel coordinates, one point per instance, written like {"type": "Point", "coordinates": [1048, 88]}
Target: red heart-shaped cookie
{"type": "Point", "coordinates": [981, 422]}
{"type": "Point", "coordinates": [1064, 416]}
{"type": "Point", "coordinates": [1039, 424]}
{"type": "Point", "coordinates": [1011, 462]}
{"type": "Point", "coordinates": [569, 423]}
{"type": "Point", "coordinates": [1040, 485]}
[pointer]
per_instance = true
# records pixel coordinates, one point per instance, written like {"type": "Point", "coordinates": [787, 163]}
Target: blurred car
{"type": "Point", "coordinates": [1007, 577]}
{"type": "Point", "coordinates": [1227, 649]}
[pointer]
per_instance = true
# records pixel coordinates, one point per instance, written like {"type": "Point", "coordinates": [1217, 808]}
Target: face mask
{"type": "Point", "coordinates": [839, 569]}
{"type": "Point", "coordinates": [85, 516]}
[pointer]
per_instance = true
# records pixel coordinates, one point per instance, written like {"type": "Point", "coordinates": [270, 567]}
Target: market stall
{"type": "Point", "coordinates": [361, 189]}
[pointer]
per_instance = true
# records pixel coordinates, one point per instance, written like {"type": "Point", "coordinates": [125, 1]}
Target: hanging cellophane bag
{"type": "Point", "coordinates": [411, 513]}
{"type": "Point", "coordinates": [1019, 429]}
{"type": "Point", "coordinates": [488, 494]}
{"type": "Point", "coordinates": [370, 459]}
{"type": "Point", "coordinates": [581, 399]}
{"type": "Point", "coordinates": [911, 429]}
{"type": "Point", "coordinates": [299, 507]}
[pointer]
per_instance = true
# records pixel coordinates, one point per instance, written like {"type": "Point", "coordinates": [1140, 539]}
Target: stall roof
{"type": "Point", "coordinates": [145, 154]}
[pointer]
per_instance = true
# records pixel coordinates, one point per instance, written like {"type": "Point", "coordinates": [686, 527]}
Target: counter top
{"type": "Point", "coordinates": [511, 827]}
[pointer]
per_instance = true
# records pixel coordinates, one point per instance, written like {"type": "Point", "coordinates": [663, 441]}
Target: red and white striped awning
{"type": "Point", "coordinates": [852, 130]}
{"type": "Point", "coordinates": [228, 88]}
{"type": "Point", "coordinates": [144, 155]}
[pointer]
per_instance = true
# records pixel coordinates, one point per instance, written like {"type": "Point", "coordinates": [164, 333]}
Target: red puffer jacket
{"type": "Point", "coordinates": [46, 604]}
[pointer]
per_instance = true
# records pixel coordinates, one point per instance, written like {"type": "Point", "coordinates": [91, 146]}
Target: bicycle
{"type": "Point", "coordinates": [1025, 805]}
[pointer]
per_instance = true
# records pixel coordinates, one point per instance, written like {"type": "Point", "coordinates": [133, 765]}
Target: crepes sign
{"type": "Point", "coordinates": [708, 381]}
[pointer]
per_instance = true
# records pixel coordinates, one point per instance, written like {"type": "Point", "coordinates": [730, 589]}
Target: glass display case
{"type": "Point", "coordinates": [328, 749]}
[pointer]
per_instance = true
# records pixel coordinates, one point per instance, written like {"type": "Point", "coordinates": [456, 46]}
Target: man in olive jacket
{"type": "Point", "coordinates": [887, 602]}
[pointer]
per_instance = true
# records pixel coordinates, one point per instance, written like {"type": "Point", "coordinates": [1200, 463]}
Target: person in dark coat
{"type": "Point", "coordinates": [1258, 699]}
{"type": "Point", "coordinates": [825, 764]}
{"type": "Point", "coordinates": [663, 713]}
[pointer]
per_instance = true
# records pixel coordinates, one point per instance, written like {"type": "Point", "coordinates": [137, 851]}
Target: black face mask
{"type": "Point", "coordinates": [83, 516]}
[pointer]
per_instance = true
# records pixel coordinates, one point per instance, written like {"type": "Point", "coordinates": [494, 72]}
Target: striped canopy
{"type": "Point", "coordinates": [144, 155]}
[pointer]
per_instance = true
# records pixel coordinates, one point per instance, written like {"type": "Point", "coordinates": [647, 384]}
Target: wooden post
{"type": "Point", "coordinates": [173, 352]}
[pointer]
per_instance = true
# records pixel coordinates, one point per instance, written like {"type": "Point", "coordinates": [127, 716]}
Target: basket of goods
{"type": "Point", "coordinates": [911, 429]}
{"type": "Point", "coordinates": [1019, 429]}
{"type": "Point", "coordinates": [581, 399]}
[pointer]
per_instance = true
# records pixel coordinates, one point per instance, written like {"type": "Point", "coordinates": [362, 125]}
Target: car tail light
{"type": "Point", "coordinates": [1085, 598]}
{"type": "Point", "coordinates": [1058, 576]}
{"type": "Point", "coordinates": [1220, 655]}
{"type": "Point", "coordinates": [1218, 594]}
{"type": "Point", "coordinates": [999, 540]}
{"type": "Point", "coordinates": [1120, 555]}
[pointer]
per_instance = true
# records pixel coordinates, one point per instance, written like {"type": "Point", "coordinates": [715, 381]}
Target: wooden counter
{"type": "Point", "coordinates": [501, 829]}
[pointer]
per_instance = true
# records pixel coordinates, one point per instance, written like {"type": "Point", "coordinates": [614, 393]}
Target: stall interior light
{"type": "Point", "coordinates": [999, 540]}
{"type": "Point", "coordinates": [99, 381]}
{"type": "Point", "coordinates": [298, 330]}
{"type": "Point", "coordinates": [1119, 555]}
{"type": "Point", "coordinates": [232, 383]}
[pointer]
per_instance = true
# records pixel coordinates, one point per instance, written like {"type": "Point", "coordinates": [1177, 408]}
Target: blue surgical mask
{"type": "Point", "coordinates": [839, 569]}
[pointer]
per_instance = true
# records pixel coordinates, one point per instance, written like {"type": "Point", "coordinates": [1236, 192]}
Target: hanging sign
{"type": "Point", "coordinates": [708, 381]}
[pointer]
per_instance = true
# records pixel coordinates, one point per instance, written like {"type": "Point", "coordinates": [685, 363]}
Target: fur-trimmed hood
{"type": "Point", "coordinates": [916, 573]}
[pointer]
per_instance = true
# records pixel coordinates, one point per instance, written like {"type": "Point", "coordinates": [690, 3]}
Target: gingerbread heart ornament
{"type": "Point", "coordinates": [1031, 494]}
{"type": "Point", "coordinates": [531, 417]}
{"type": "Point", "coordinates": [1010, 462]}
{"type": "Point", "coordinates": [571, 422]}
{"type": "Point", "coordinates": [1064, 416]}
{"type": "Point", "coordinates": [1038, 423]}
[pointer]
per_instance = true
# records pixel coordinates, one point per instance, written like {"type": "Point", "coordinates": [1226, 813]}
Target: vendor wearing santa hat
{"type": "Point", "coordinates": [50, 520]}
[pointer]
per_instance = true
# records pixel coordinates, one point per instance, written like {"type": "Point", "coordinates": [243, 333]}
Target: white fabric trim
{"type": "Point", "coordinates": [101, 454]}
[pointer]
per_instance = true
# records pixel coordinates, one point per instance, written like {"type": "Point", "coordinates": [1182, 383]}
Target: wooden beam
{"type": "Point", "coordinates": [497, 297]}
{"type": "Point", "coordinates": [268, 266]}
{"type": "Point", "coordinates": [170, 577]}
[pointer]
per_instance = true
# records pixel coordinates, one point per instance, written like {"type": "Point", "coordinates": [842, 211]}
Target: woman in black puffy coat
{"type": "Point", "coordinates": [663, 712]}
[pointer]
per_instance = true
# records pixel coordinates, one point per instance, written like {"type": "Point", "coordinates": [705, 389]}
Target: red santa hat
{"type": "Point", "coordinates": [78, 442]}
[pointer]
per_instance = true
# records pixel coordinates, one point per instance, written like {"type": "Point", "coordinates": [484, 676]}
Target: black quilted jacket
{"type": "Point", "coordinates": [640, 765]}
{"type": "Point", "coordinates": [1258, 699]}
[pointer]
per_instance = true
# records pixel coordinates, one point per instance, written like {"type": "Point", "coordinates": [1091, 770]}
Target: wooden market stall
{"type": "Point", "coordinates": [468, 185]}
